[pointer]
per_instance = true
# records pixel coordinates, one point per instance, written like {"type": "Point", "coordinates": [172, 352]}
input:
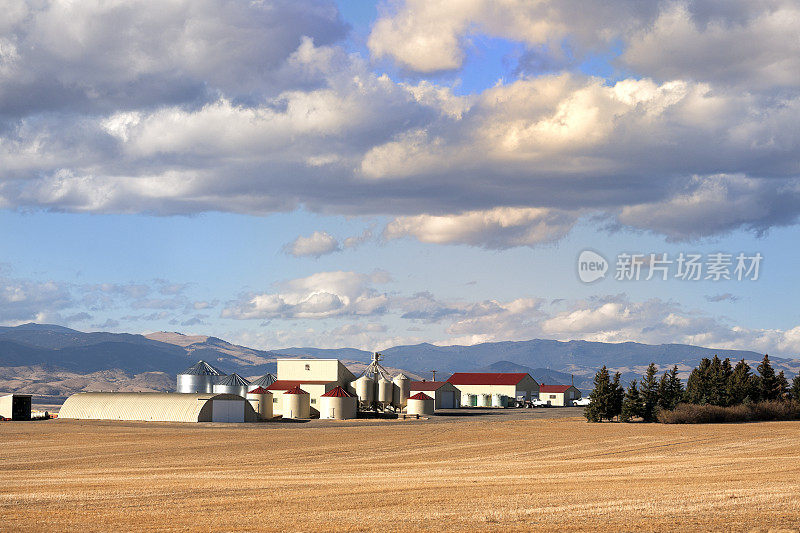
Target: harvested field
{"type": "Point", "coordinates": [476, 473]}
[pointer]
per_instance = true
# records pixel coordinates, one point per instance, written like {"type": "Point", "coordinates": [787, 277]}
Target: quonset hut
{"type": "Point", "coordinates": [158, 407]}
{"type": "Point", "coordinates": [199, 377]}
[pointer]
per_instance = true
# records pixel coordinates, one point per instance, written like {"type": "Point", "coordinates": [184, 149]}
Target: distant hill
{"type": "Point", "coordinates": [39, 357]}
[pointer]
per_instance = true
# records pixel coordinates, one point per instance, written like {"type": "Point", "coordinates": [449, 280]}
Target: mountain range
{"type": "Point", "coordinates": [55, 361]}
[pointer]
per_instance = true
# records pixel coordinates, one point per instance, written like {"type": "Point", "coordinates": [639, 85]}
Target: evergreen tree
{"type": "Point", "coordinates": [617, 395]}
{"type": "Point", "coordinates": [717, 382]}
{"type": "Point", "coordinates": [741, 384]}
{"type": "Point", "coordinates": [796, 387]}
{"type": "Point", "coordinates": [697, 385]}
{"type": "Point", "coordinates": [783, 385]}
{"type": "Point", "coordinates": [670, 389]}
{"type": "Point", "coordinates": [649, 393]}
{"type": "Point", "coordinates": [768, 381]}
{"type": "Point", "coordinates": [601, 397]}
{"type": "Point", "coordinates": [631, 404]}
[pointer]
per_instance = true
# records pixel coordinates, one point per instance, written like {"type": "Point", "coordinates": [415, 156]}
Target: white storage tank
{"type": "Point", "coordinates": [402, 389]}
{"type": "Point", "coordinates": [484, 400]}
{"type": "Point", "coordinates": [499, 400]}
{"type": "Point", "coordinates": [233, 384]}
{"type": "Point", "coordinates": [338, 404]}
{"type": "Point", "coordinates": [365, 390]}
{"type": "Point", "coordinates": [385, 393]}
{"type": "Point", "coordinates": [261, 400]}
{"type": "Point", "coordinates": [420, 404]}
{"type": "Point", "coordinates": [198, 378]}
{"type": "Point", "coordinates": [296, 403]}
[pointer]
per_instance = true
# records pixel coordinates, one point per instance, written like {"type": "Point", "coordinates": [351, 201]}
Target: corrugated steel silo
{"type": "Point", "coordinates": [296, 403]}
{"type": "Point", "coordinates": [233, 384]}
{"type": "Point", "coordinates": [402, 389]}
{"type": "Point", "coordinates": [338, 404]}
{"type": "Point", "coordinates": [261, 400]}
{"type": "Point", "coordinates": [264, 381]}
{"type": "Point", "coordinates": [198, 378]}
{"type": "Point", "coordinates": [421, 404]}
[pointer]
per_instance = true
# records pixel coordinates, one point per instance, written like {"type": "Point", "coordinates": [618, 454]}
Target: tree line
{"type": "Point", "coordinates": [713, 382]}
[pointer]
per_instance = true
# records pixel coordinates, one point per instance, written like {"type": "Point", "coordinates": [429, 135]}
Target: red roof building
{"type": "Point", "coordinates": [446, 395]}
{"type": "Point", "coordinates": [487, 378]}
{"type": "Point", "coordinates": [427, 385]}
{"type": "Point", "coordinates": [558, 395]}
{"type": "Point", "coordinates": [553, 388]}
{"type": "Point", "coordinates": [515, 385]}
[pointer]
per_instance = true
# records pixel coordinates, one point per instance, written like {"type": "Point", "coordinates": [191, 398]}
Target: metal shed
{"type": "Point", "coordinates": [157, 407]}
{"type": "Point", "coordinates": [15, 406]}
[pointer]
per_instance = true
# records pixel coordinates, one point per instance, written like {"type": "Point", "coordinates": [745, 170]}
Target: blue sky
{"type": "Point", "coordinates": [359, 179]}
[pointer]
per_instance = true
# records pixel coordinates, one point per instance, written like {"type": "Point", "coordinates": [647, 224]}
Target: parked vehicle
{"type": "Point", "coordinates": [581, 402]}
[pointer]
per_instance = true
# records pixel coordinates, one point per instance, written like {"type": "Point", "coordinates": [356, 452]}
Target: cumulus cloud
{"type": "Point", "coordinates": [321, 295]}
{"type": "Point", "coordinates": [33, 301]}
{"type": "Point", "coordinates": [496, 228]}
{"type": "Point", "coordinates": [317, 244]}
{"type": "Point", "coordinates": [258, 108]}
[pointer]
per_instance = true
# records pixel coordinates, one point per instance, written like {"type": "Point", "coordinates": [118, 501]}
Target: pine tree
{"type": "Point", "coordinates": [631, 404]}
{"type": "Point", "coordinates": [697, 385]}
{"type": "Point", "coordinates": [670, 390]}
{"type": "Point", "coordinates": [796, 387]}
{"type": "Point", "coordinates": [617, 395]}
{"type": "Point", "coordinates": [768, 381]}
{"type": "Point", "coordinates": [783, 385]}
{"type": "Point", "coordinates": [717, 382]}
{"type": "Point", "coordinates": [741, 384]}
{"type": "Point", "coordinates": [649, 394]}
{"type": "Point", "coordinates": [600, 397]}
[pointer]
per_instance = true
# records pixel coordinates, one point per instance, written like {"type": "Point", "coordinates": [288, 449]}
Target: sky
{"type": "Point", "coordinates": [364, 174]}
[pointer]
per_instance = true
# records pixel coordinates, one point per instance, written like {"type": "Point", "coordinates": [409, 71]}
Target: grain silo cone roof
{"type": "Point", "coordinates": [264, 381]}
{"type": "Point", "coordinates": [234, 380]}
{"type": "Point", "coordinates": [201, 368]}
{"type": "Point", "coordinates": [259, 390]}
{"type": "Point", "coordinates": [338, 392]}
{"type": "Point", "coordinates": [420, 396]}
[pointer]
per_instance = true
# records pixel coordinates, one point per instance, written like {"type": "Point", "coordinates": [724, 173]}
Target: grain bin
{"type": "Point", "coordinates": [261, 400]}
{"type": "Point", "coordinates": [365, 390]}
{"type": "Point", "coordinates": [402, 389]}
{"type": "Point", "coordinates": [296, 403]}
{"type": "Point", "coordinates": [198, 378]}
{"type": "Point", "coordinates": [338, 404]}
{"type": "Point", "coordinates": [264, 381]}
{"type": "Point", "coordinates": [233, 384]}
{"type": "Point", "coordinates": [420, 404]}
{"type": "Point", "coordinates": [385, 393]}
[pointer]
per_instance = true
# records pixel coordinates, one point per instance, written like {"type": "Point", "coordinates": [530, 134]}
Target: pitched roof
{"type": "Point", "coordinates": [427, 385]}
{"type": "Point", "coordinates": [201, 368]}
{"type": "Point", "coordinates": [554, 388]}
{"type": "Point", "coordinates": [487, 378]}
{"type": "Point", "coordinates": [235, 380]}
{"type": "Point", "coordinates": [259, 390]}
{"type": "Point", "coordinates": [295, 390]}
{"type": "Point", "coordinates": [286, 384]}
{"type": "Point", "coordinates": [420, 396]}
{"type": "Point", "coordinates": [264, 381]}
{"type": "Point", "coordinates": [338, 392]}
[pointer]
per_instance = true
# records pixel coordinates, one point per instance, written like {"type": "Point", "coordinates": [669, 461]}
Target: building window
{"type": "Point", "coordinates": [313, 400]}
{"type": "Point", "coordinates": [552, 396]}
{"type": "Point", "coordinates": [308, 367]}
{"type": "Point", "coordinates": [274, 400]}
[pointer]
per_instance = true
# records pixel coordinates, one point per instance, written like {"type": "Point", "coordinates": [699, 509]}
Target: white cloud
{"type": "Point", "coordinates": [317, 244]}
{"type": "Point", "coordinates": [321, 295]}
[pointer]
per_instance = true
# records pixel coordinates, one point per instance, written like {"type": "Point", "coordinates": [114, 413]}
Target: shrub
{"type": "Point", "coordinates": [712, 414]}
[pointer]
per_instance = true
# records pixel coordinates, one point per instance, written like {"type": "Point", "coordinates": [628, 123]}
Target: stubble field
{"type": "Point", "coordinates": [480, 473]}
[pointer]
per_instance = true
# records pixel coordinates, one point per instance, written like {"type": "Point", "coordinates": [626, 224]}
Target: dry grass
{"type": "Point", "coordinates": [461, 475]}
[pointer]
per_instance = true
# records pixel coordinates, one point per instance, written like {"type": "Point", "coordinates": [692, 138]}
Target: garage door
{"type": "Point", "coordinates": [227, 411]}
{"type": "Point", "coordinates": [448, 399]}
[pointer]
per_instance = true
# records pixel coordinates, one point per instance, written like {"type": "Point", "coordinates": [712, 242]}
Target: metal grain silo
{"type": "Point", "coordinates": [198, 378]}
{"type": "Point", "coordinates": [264, 381]}
{"type": "Point", "coordinates": [261, 400]}
{"type": "Point", "coordinates": [385, 391]}
{"type": "Point", "coordinates": [338, 404]}
{"type": "Point", "coordinates": [365, 390]}
{"type": "Point", "coordinates": [233, 384]}
{"type": "Point", "coordinates": [421, 404]}
{"type": "Point", "coordinates": [402, 389]}
{"type": "Point", "coordinates": [296, 403]}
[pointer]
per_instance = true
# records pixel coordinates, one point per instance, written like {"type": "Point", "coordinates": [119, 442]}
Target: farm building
{"type": "Point", "coordinates": [314, 376]}
{"type": "Point", "coordinates": [445, 395]}
{"type": "Point", "coordinates": [15, 406]}
{"type": "Point", "coordinates": [517, 385]}
{"type": "Point", "coordinates": [315, 390]}
{"type": "Point", "coordinates": [558, 395]}
{"type": "Point", "coordinates": [158, 407]}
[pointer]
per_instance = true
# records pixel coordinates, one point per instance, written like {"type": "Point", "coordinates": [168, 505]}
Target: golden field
{"type": "Point", "coordinates": [463, 474]}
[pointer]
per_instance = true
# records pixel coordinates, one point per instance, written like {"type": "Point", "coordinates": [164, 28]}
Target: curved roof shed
{"type": "Point", "coordinates": [157, 407]}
